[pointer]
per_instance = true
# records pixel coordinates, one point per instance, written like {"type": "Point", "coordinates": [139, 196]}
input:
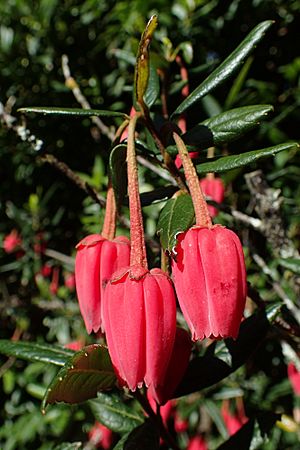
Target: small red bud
{"type": "Point", "coordinates": [12, 241]}
{"type": "Point", "coordinates": [197, 443]}
{"type": "Point", "coordinates": [213, 188]}
{"type": "Point", "coordinates": [294, 377]}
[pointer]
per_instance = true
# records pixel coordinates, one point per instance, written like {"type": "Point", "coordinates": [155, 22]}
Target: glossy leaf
{"type": "Point", "coordinates": [226, 163]}
{"type": "Point", "coordinates": [142, 68]}
{"type": "Point", "coordinates": [111, 411]}
{"type": "Point", "coordinates": [153, 87]}
{"type": "Point", "coordinates": [215, 365]}
{"type": "Point", "coordinates": [118, 172]}
{"type": "Point", "coordinates": [77, 112]}
{"type": "Point", "coordinates": [36, 352]}
{"type": "Point", "coordinates": [145, 437]}
{"type": "Point", "coordinates": [227, 68]}
{"type": "Point", "coordinates": [228, 126]}
{"type": "Point", "coordinates": [86, 373]}
{"type": "Point", "coordinates": [292, 264]}
{"type": "Point", "coordinates": [238, 84]}
{"type": "Point", "coordinates": [176, 216]}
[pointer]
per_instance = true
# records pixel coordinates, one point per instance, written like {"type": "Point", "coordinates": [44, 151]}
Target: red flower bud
{"type": "Point", "coordinates": [181, 352]}
{"type": "Point", "coordinates": [210, 281]}
{"type": "Point", "coordinates": [197, 443]}
{"type": "Point", "coordinates": [100, 436]}
{"type": "Point", "coordinates": [213, 188]}
{"type": "Point", "coordinates": [12, 241]}
{"type": "Point", "coordinates": [70, 281]}
{"type": "Point", "coordinates": [233, 421]}
{"type": "Point", "coordinates": [139, 313]}
{"type": "Point", "coordinates": [294, 377]}
{"type": "Point", "coordinates": [181, 425]}
{"type": "Point", "coordinates": [96, 260]}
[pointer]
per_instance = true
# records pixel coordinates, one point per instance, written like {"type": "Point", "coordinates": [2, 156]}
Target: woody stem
{"type": "Point", "coordinates": [200, 206]}
{"type": "Point", "coordinates": [109, 225]}
{"type": "Point", "coordinates": [138, 249]}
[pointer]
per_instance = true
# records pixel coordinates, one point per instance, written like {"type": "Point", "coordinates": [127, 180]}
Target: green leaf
{"type": "Point", "coordinates": [238, 83]}
{"type": "Point", "coordinates": [142, 69]}
{"type": "Point", "coordinates": [31, 351]}
{"type": "Point", "coordinates": [211, 368]}
{"type": "Point", "coordinates": [228, 126]}
{"type": "Point", "coordinates": [68, 446]}
{"type": "Point", "coordinates": [111, 411]}
{"type": "Point", "coordinates": [176, 217]}
{"type": "Point", "coordinates": [77, 112]}
{"type": "Point", "coordinates": [86, 373]}
{"type": "Point", "coordinates": [227, 68]}
{"type": "Point", "coordinates": [292, 264]}
{"type": "Point", "coordinates": [144, 437]}
{"type": "Point", "coordinates": [121, 442]}
{"type": "Point", "coordinates": [225, 163]}
{"type": "Point", "coordinates": [153, 87]}
{"type": "Point", "coordinates": [118, 172]}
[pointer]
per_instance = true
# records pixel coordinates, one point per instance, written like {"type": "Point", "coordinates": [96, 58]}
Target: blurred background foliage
{"type": "Point", "coordinates": [51, 214]}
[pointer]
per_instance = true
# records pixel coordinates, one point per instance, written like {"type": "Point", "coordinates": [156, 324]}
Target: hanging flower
{"type": "Point", "coordinates": [139, 308]}
{"type": "Point", "coordinates": [197, 443]}
{"type": "Point", "coordinates": [208, 269]}
{"type": "Point", "coordinates": [233, 421]}
{"type": "Point", "coordinates": [96, 260]}
{"type": "Point", "coordinates": [12, 241]}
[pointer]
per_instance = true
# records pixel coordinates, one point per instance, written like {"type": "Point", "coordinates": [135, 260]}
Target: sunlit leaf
{"type": "Point", "coordinates": [225, 163]}
{"type": "Point", "coordinates": [77, 112]}
{"type": "Point", "coordinates": [227, 68]}
{"type": "Point", "coordinates": [31, 351]}
{"type": "Point", "coordinates": [86, 373]}
{"type": "Point", "coordinates": [176, 216]}
{"type": "Point", "coordinates": [111, 411]}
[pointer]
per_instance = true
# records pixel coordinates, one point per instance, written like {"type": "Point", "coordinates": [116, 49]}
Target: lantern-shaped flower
{"type": "Point", "coordinates": [210, 281]}
{"type": "Point", "coordinates": [139, 305]}
{"type": "Point", "coordinates": [208, 269]}
{"type": "Point", "coordinates": [96, 260]}
{"type": "Point", "coordinates": [214, 188]}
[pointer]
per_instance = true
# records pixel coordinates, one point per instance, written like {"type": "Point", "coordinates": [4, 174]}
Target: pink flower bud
{"type": "Point", "coordinates": [96, 260]}
{"type": "Point", "coordinates": [213, 188]}
{"type": "Point", "coordinates": [233, 421]}
{"type": "Point", "coordinates": [140, 321]}
{"type": "Point", "coordinates": [181, 352]}
{"type": "Point", "coordinates": [197, 443]}
{"type": "Point", "coordinates": [100, 436]}
{"type": "Point", "coordinates": [178, 162]}
{"type": "Point", "coordinates": [75, 345]}
{"type": "Point", "coordinates": [12, 241]}
{"type": "Point", "coordinates": [210, 281]}
{"type": "Point", "coordinates": [294, 377]}
{"type": "Point", "coordinates": [180, 425]}
{"type": "Point", "coordinates": [70, 281]}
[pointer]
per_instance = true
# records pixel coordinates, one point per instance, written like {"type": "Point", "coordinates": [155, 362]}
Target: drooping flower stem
{"type": "Point", "coordinates": [138, 249]}
{"type": "Point", "coordinates": [109, 225]}
{"type": "Point", "coordinates": [200, 206]}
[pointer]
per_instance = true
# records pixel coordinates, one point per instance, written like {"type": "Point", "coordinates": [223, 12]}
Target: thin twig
{"type": "Point", "coordinates": [65, 169]}
{"type": "Point", "coordinates": [72, 84]}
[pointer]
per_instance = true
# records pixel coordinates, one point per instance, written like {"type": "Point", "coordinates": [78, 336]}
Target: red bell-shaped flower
{"type": "Point", "coordinates": [214, 188]}
{"type": "Point", "coordinates": [175, 371]}
{"type": "Point", "coordinates": [210, 281]}
{"type": "Point", "coordinates": [140, 322]}
{"type": "Point", "coordinates": [294, 377]}
{"type": "Point", "coordinates": [96, 260]}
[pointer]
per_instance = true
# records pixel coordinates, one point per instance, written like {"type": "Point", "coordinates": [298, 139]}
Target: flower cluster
{"type": "Point", "coordinates": [136, 306]}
